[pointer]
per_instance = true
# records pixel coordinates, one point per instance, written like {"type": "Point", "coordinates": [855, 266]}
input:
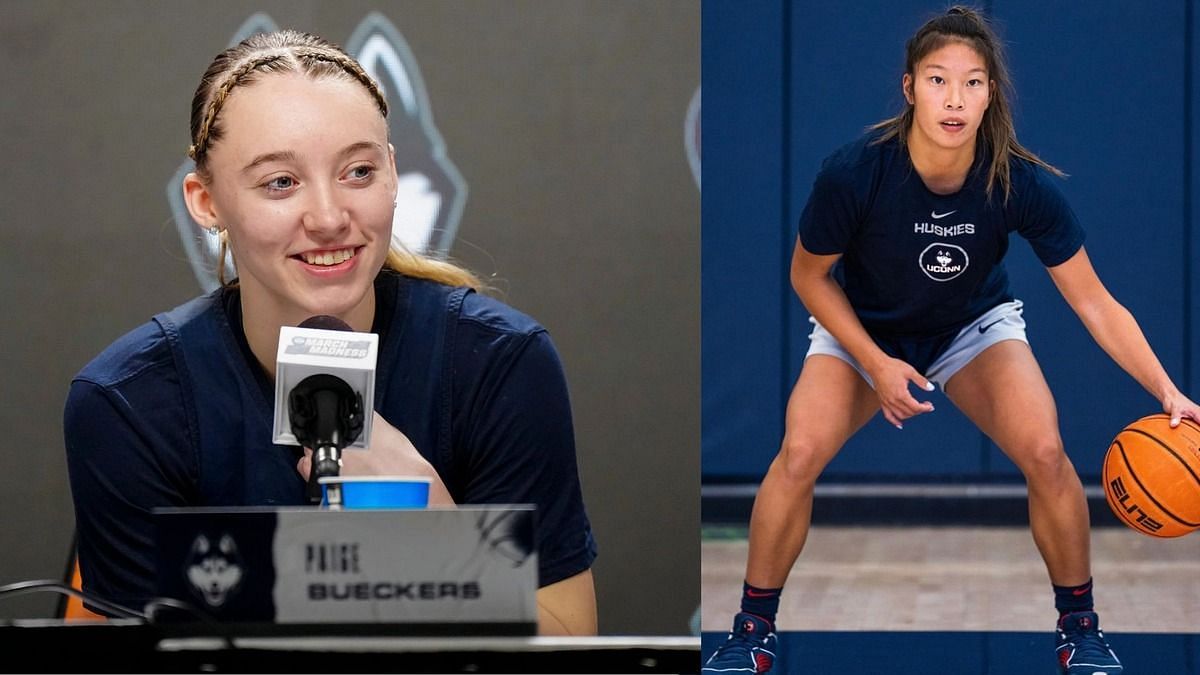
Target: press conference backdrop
{"type": "Point", "coordinates": [1106, 91]}
{"type": "Point", "coordinates": [566, 121]}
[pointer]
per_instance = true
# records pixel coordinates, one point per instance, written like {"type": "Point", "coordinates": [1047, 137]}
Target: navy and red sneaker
{"type": "Point", "coordinates": [750, 648]}
{"type": "Point", "coordinates": [1082, 649]}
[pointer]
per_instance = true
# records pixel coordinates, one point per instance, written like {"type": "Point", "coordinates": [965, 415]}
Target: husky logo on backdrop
{"type": "Point", "coordinates": [691, 135]}
{"type": "Point", "coordinates": [214, 572]}
{"type": "Point", "coordinates": [431, 192]}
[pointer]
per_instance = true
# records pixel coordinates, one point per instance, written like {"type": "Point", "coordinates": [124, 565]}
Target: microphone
{"type": "Point", "coordinates": [324, 392]}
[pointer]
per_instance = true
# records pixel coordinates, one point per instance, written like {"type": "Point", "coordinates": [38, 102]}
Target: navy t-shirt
{"type": "Point", "coordinates": [179, 413]}
{"type": "Point", "coordinates": [919, 264]}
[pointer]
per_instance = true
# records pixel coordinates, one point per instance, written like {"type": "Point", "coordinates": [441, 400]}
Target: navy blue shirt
{"type": "Point", "coordinates": [919, 264]}
{"type": "Point", "coordinates": [179, 413]}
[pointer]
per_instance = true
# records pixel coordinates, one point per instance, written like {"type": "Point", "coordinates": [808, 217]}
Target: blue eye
{"type": "Point", "coordinates": [362, 172]}
{"type": "Point", "coordinates": [280, 184]}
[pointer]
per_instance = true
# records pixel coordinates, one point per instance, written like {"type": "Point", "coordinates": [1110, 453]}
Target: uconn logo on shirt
{"type": "Point", "coordinates": [942, 262]}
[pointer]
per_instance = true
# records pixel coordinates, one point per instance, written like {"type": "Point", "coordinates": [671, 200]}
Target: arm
{"type": "Point", "coordinates": [518, 442]}
{"type": "Point", "coordinates": [124, 457]}
{"type": "Point", "coordinates": [1118, 334]}
{"type": "Point", "coordinates": [828, 304]}
{"type": "Point", "coordinates": [568, 607]}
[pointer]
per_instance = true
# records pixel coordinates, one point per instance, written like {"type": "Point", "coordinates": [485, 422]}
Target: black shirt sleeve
{"type": "Point", "coordinates": [517, 441]}
{"type": "Point", "coordinates": [831, 215]}
{"type": "Point", "coordinates": [1045, 218]}
{"type": "Point", "coordinates": [127, 452]}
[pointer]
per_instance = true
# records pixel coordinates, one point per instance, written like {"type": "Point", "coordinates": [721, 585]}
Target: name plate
{"type": "Point", "coordinates": [307, 565]}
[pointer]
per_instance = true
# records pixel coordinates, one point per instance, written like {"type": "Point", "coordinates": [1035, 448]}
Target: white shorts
{"type": "Point", "coordinates": [1002, 322]}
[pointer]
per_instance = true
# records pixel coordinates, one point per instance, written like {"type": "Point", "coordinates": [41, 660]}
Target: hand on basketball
{"type": "Point", "coordinates": [1178, 406]}
{"type": "Point", "coordinates": [891, 386]}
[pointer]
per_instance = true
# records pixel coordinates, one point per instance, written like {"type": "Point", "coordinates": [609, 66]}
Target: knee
{"type": "Point", "coordinates": [801, 460]}
{"type": "Point", "coordinates": [1045, 461]}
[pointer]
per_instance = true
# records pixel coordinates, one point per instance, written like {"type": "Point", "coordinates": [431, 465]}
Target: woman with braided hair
{"type": "Point", "coordinates": [295, 171]}
{"type": "Point", "coordinates": [899, 261]}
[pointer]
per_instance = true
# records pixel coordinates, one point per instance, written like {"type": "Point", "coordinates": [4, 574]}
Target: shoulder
{"type": "Point", "coordinates": [473, 309]}
{"type": "Point", "coordinates": [490, 314]}
{"type": "Point", "coordinates": [855, 172]}
{"type": "Point", "coordinates": [1032, 181]}
{"type": "Point", "coordinates": [146, 347]}
{"type": "Point", "coordinates": [138, 351]}
{"type": "Point", "coordinates": [860, 157]}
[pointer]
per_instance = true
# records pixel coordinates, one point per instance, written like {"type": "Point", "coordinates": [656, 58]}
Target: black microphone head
{"type": "Point", "coordinates": [326, 322]}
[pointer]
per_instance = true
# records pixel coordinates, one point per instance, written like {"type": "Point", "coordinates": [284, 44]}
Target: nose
{"type": "Point", "coordinates": [325, 217]}
{"type": "Point", "coordinates": [954, 98]}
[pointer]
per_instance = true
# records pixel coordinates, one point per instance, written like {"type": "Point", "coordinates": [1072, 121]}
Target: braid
{"type": "Point", "coordinates": [197, 149]}
{"type": "Point", "coordinates": [285, 57]}
{"type": "Point", "coordinates": [350, 66]}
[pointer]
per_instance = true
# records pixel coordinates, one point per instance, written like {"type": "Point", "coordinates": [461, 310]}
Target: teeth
{"type": "Point", "coordinates": [328, 257]}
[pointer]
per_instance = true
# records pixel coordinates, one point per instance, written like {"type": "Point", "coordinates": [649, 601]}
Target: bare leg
{"type": "Point", "coordinates": [829, 403]}
{"type": "Point", "coordinates": [1004, 393]}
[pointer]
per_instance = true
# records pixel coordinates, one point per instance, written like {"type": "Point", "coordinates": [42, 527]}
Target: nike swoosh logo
{"type": "Point", "coordinates": [935, 215]}
{"type": "Point", "coordinates": [1080, 591]}
{"type": "Point", "coordinates": [758, 595]}
{"type": "Point", "coordinates": [984, 329]}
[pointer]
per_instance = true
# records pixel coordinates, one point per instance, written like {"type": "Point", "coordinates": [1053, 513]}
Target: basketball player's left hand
{"type": "Point", "coordinates": [1179, 406]}
{"type": "Point", "coordinates": [390, 454]}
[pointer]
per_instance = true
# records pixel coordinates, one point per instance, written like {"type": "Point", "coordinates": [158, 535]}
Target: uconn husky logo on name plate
{"type": "Point", "coordinates": [431, 192]}
{"type": "Point", "coordinates": [215, 572]}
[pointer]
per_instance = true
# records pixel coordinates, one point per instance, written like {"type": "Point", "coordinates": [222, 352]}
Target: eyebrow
{"type": "Point", "coordinates": [290, 156]}
{"type": "Point", "coordinates": [973, 70]}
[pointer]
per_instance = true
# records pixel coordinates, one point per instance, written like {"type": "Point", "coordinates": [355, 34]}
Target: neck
{"type": "Point", "coordinates": [261, 321]}
{"type": "Point", "coordinates": [943, 170]}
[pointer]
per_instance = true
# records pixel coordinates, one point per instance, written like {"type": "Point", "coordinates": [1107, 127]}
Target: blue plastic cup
{"type": "Point", "coordinates": [379, 492]}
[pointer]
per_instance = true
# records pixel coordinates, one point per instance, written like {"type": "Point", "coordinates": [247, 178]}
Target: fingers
{"type": "Point", "coordinates": [891, 419]}
{"type": "Point", "coordinates": [902, 405]}
{"type": "Point", "coordinates": [304, 464]}
{"type": "Point", "coordinates": [1180, 413]}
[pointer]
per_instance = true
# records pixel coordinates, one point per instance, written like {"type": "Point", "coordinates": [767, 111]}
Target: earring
{"type": "Point", "coordinates": [395, 203]}
{"type": "Point", "coordinates": [214, 230]}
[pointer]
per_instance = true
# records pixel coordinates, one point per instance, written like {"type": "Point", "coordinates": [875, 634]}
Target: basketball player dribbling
{"type": "Point", "coordinates": [931, 304]}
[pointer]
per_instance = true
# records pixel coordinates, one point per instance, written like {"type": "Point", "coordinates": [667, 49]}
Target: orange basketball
{"type": "Point", "coordinates": [1152, 476]}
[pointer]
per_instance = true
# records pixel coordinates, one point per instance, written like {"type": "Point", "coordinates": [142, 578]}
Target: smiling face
{"type": "Point", "coordinates": [950, 91]}
{"type": "Point", "coordinates": [304, 181]}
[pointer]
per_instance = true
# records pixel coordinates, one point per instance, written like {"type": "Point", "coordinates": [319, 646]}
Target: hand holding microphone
{"type": "Point", "coordinates": [324, 386]}
{"type": "Point", "coordinates": [390, 454]}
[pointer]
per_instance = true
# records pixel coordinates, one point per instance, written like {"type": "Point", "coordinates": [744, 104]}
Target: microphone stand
{"type": "Point", "coordinates": [326, 415]}
{"type": "Point", "coordinates": [327, 462]}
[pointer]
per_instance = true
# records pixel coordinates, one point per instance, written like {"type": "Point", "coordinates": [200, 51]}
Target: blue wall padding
{"type": "Point", "coordinates": [743, 171]}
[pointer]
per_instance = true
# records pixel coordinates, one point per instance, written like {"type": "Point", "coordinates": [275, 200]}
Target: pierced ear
{"type": "Point", "coordinates": [198, 199]}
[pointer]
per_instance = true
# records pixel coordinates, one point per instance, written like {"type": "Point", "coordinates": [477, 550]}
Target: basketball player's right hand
{"type": "Point", "coordinates": [897, 403]}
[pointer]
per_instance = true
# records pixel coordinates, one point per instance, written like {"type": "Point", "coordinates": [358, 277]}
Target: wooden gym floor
{"type": "Point", "coordinates": [957, 579]}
